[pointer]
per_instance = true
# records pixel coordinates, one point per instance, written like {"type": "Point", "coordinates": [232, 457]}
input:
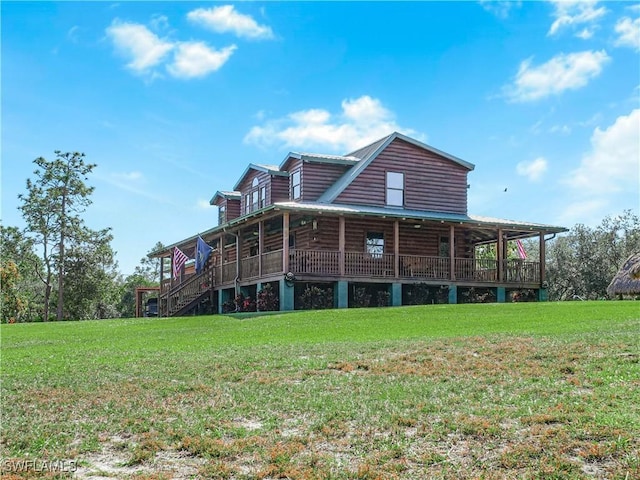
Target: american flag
{"type": "Point", "coordinates": [521, 251]}
{"type": "Point", "coordinates": [179, 259]}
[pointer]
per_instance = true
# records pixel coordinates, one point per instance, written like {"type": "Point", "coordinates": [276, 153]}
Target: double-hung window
{"type": "Point", "coordinates": [296, 190]}
{"type": "Point", "coordinates": [395, 189]}
{"type": "Point", "coordinates": [263, 197]}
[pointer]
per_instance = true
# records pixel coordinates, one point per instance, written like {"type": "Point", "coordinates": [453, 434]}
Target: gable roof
{"type": "Point", "coordinates": [225, 194]}
{"type": "Point", "coordinates": [370, 152]}
{"type": "Point", "coordinates": [270, 169]}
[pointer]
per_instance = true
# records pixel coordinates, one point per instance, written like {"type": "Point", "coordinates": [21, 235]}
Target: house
{"type": "Point", "coordinates": [384, 225]}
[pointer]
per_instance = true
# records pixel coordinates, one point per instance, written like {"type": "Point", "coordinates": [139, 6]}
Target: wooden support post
{"type": "Point", "coordinates": [238, 257]}
{"type": "Point", "coordinates": [341, 244]}
{"type": "Point", "coordinates": [285, 242]}
{"type": "Point", "coordinates": [543, 273]}
{"type": "Point", "coordinates": [452, 253]}
{"type": "Point", "coordinates": [500, 255]}
{"type": "Point", "coordinates": [260, 246]}
{"type": "Point", "coordinates": [396, 248]}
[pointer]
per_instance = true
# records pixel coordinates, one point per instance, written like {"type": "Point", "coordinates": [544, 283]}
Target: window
{"type": "Point", "coordinates": [395, 189]}
{"type": "Point", "coordinates": [375, 244]}
{"type": "Point", "coordinates": [254, 183]}
{"type": "Point", "coordinates": [263, 197]}
{"type": "Point", "coordinates": [295, 185]}
{"type": "Point", "coordinates": [444, 247]}
{"type": "Point", "coordinates": [254, 200]}
{"type": "Point", "coordinates": [222, 214]}
{"type": "Point", "coordinates": [247, 205]}
{"type": "Point", "coordinates": [292, 240]}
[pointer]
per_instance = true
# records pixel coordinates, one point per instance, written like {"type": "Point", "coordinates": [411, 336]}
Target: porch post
{"type": "Point", "coordinates": [396, 248]}
{"type": "Point", "coordinates": [342, 291]}
{"type": "Point", "coordinates": [260, 246]}
{"type": "Point", "coordinates": [160, 312]}
{"type": "Point", "coordinates": [238, 259]}
{"type": "Point", "coordinates": [285, 242]}
{"type": "Point", "coordinates": [543, 260]}
{"type": "Point", "coordinates": [452, 253]}
{"type": "Point", "coordinates": [500, 255]}
{"type": "Point", "coordinates": [341, 243]}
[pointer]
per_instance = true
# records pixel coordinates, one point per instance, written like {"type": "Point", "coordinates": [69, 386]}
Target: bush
{"type": "Point", "coordinates": [267, 300]}
{"type": "Point", "coordinates": [316, 298]}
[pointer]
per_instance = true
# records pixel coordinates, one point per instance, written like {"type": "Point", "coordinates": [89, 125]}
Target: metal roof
{"type": "Point", "coordinates": [321, 158]}
{"type": "Point", "coordinates": [225, 194]}
{"type": "Point", "coordinates": [270, 169]}
{"type": "Point", "coordinates": [369, 153]}
{"type": "Point", "coordinates": [373, 211]}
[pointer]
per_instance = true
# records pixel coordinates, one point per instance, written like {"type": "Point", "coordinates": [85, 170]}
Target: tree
{"type": "Point", "coordinates": [90, 277]}
{"type": "Point", "coordinates": [51, 209]}
{"type": "Point", "coordinates": [21, 289]}
{"type": "Point", "coordinates": [582, 263]}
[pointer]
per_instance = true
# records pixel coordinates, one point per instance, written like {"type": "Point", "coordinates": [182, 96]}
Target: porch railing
{"type": "Point", "coordinates": [417, 266]}
{"type": "Point", "coordinates": [359, 264]}
{"type": "Point", "coordinates": [272, 262]}
{"type": "Point", "coordinates": [229, 272]}
{"type": "Point", "coordinates": [250, 267]}
{"type": "Point", "coordinates": [315, 262]}
{"type": "Point", "coordinates": [520, 271]}
{"type": "Point", "coordinates": [476, 269]}
{"type": "Point", "coordinates": [187, 291]}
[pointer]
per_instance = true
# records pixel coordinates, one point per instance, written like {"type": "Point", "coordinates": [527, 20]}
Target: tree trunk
{"type": "Point", "coordinates": [47, 296]}
{"type": "Point", "coordinates": [63, 226]}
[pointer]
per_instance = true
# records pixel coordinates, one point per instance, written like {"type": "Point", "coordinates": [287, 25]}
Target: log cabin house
{"type": "Point", "coordinates": [382, 225]}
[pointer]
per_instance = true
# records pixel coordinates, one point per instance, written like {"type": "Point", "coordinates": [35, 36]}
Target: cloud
{"type": "Point", "coordinates": [147, 51]}
{"type": "Point", "coordinates": [361, 121]}
{"type": "Point", "coordinates": [563, 72]}
{"type": "Point", "coordinates": [500, 9]}
{"type": "Point", "coordinates": [561, 129]}
{"type": "Point", "coordinates": [574, 13]}
{"type": "Point", "coordinates": [225, 19]}
{"type": "Point", "coordinates": [196, 59]}
{"type": "Point", "coordinates": [628, 33]}
{"type": "Point", "coordinates": [202, 204]}
{"type": "Point", "coordinates": [533, 170]}
{"type": "Point", "coordinates": [585, 34]}
{"type": "Point", "coordinates": [72, 33]}
{"type": "Point", "coordinates": [142, 47]}
{"type": "Point", "coordinates": [612, 164]}
{"type": "Point", "coordinates": [134, 176]}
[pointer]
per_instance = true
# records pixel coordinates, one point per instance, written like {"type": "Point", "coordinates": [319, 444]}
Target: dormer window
{"type": "Point", "coordinates": [295, 185]}
{"type": "Point", "coordinates": [254, 184]}
{"type": "Point", "coordinates": [263, 197]}
{"type": "Point", "coordinates": [395, 189]}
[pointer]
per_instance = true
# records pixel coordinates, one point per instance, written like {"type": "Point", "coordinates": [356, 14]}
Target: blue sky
{"type": "Point", "coordinates": [172, 100]}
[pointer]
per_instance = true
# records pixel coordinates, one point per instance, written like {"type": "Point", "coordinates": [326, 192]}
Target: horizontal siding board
{"type": "Point", "coordinates": [318, 177]}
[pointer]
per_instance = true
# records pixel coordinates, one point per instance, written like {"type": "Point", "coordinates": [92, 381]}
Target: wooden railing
{"type": "Point", "coordinates": [314, 262]}
{"type": "Point", "coordinates": [417, 266]}
{"type": "Point", "coordinates": [520, 271]}
{"type": "Point", "coordinates": [476, 269]}
{"type": "Point", "coordinates": [272, 262]}
{"type": "Point", "coordinates": [229, 272]}
{"type": "Point", "coordinates": [250, 267]}
{"type": "Point", "coordinates": [187, 291]}
{"type": "Point", "coordinates": [359, 264]}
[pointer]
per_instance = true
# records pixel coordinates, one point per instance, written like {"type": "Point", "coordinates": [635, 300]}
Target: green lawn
{"type": "Point", "coordinates": [539, 390]}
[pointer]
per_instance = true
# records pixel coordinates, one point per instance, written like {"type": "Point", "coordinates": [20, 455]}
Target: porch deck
{"type": "Point", "coordinates": [333, 265]}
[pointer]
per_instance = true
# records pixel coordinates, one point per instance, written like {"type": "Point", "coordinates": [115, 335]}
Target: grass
{"type": "Point", "coordinates": [538, 390]}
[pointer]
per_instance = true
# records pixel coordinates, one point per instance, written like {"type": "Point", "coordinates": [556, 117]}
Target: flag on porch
{"type": "Point", "coordinates": [521, 251]}
{"type": "Point", "coordinates": [203, 250]}
{"type": "Point", "coordinates": [179, 259]}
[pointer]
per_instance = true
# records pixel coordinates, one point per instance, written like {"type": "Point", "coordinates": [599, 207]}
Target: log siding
{"type": "Point", "coordinates": [432, 182]}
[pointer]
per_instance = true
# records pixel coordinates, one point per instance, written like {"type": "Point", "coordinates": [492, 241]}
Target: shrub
{"type": "Point", "coordinates": [316, 298]}
{"type": "Point", "coordinates": [267, 300]}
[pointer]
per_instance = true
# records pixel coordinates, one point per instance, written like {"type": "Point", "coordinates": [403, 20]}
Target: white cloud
{"type": "Point", "coordinates": [533, 170]}
{"type": "Point", "coordinates": [574, 13]}
{"type": "Point", "coordinates": [612, 164]}
{"type": "Point", "coordinates": [628, 33]}
{"type": "Point", "coordinates": [142, 47]}
{"type": "Point", "coordinates": [562, 72]}
{"type": "Point", "coordinates": [585, 34]}
{"type": "Point", "coordinates": [225, 19]}
{"type": "Point", "coordinates": [133, 176]}
{"type": "Point", "coordinates": [72, 33]}
{"type": "Point", "coordinates": [203, 204]}
{"type": "Point", "coordinates": [561, 129]}
{"type": "Point", "coordinates": [196, 59]}
{"type": "Point", "coordinates": [361, 121]}
{"type": "Point", "coordinates": [500, 9]}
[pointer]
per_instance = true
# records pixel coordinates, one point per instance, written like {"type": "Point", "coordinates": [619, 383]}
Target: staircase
{"type": "Point", "coordinates": [187, 295]}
